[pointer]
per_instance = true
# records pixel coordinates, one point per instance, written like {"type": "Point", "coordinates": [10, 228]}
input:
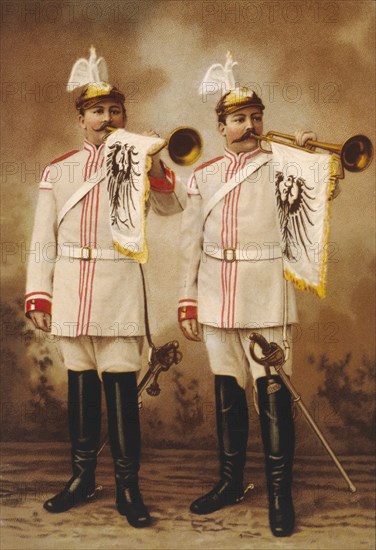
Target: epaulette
{"type": "Point", "coordinates": [46, 168]}
{"type": "Point", "coordinates": [207, 163]}
{"type": "Point", "coordinates": [63, 157]}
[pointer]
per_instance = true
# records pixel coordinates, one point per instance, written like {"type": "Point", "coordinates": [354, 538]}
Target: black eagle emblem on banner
{"type": "Point", "coordinates": [294, 205]}
{"type": "Point", "coordinates": [122, 180]}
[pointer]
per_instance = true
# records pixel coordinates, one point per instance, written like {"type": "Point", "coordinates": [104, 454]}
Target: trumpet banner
{"type": "Point", "coordinates": [304, 182]}
{"type": "Point", "coordinates": [127, 158]}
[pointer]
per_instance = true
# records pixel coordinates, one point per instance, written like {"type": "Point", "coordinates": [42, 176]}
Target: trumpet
{"type": "Point", "coordinates": [184, 144]}
{"type": "Point", "coordinates": [356, 152]}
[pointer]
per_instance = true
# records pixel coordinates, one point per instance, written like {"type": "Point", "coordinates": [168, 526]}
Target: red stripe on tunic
{"type": "Point", "coordinates": [46, 169]}
{"type": "Point", "coordinates": [231, 265]}
{"type": "Point", "coordinates": [224, 244]}
{"type": "Point", "coordinates": [33, 294]}
{"type": "Point", "coordinates": [88, 263]}
{"type": "Point", "coordinates": [63, 157]}
{"type": "Point", "coordinates": [236, 243]}
{"type": "Point", "coordinates": [88, 240]}
{"type": "Point", "coordinates": [91, 217]}
{"type": "Point", "coordinates": [93, 239]}
{"type": "Point", "coordinates": [229, 236]}
{"type": "Point", "coordinates": [82, 271]}
{"type": "Point", "coordinates": [45, 174]}
{"type": "Point", "coordinates": [83, 266]}
{"type": "Point", "coordinates": [223, 269]}
{"type": "Point", "coordinates": [96, 217]}
{"type": "Point", "coordinates": [230, 230]}
{"type": "Point", "coordinates": [207, 163]}
{"type": "Point", "coordinates": [87, 269]}
{"type": "Point", "coordinates": [90, 292]}
{"type": "Point", "coordinates": [83, 242]}
{"type": "Point", "coordinates": [231, 269]}
{"type": "Point", "coordinates": [94, 263]}
{"type": "Point", "coordinates": [231, 244]}
{"type": "Point", "coordinates": [236, 264]}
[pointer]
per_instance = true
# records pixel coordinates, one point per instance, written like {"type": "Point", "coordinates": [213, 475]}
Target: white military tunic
{"type": "Point", "coordinates": [234, 294]}
{"type": "Point", "coordinates": [99, 297]}
{"type": "Point", "coordinates": [232, 266]}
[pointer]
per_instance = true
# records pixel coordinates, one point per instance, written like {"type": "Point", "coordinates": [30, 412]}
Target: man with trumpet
{"type": "Point", "coordinates": [233, 284]}
{"type": "Point", "coordinates": [96, 291]}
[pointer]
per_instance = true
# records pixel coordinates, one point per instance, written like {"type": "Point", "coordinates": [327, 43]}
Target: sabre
{"type": "Point", "coordinates": [275, 357]}
{"type": "Point", "coordinates": [160, 360]}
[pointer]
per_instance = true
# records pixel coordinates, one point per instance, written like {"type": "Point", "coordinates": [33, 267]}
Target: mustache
{"type": "Point", "coordinates": [246, 135]}
{"type": "Point", "coordinates": [103, 126]}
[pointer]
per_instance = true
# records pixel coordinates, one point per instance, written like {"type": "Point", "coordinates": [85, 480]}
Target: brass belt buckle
{"type": "Point", "coordinates": [226, 253]}
{"type": "Point", "coordinates": [86, 253]}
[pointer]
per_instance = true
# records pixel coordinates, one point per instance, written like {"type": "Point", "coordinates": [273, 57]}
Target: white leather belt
{"type": "Point", "coordinates": [252, 253]}
{"type": "Point", "coordinates": [88, 253]}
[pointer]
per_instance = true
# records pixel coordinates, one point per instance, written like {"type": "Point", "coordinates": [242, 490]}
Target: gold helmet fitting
{"type": "Point", "coordinates": [237, 99]}
{"type": "Point", "coordinates": [94, 92]}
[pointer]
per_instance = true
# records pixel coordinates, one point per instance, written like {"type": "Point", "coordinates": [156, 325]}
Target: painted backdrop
{"type": "Point", "coordinates": [313, 65]}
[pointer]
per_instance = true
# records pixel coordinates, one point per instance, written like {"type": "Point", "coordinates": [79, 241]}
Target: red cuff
{"type": "Point", "coordinates": [187, 312]}
{"type": "Point", "coordinates": [37, 304]}
{"type": "Point", "coordinates": [166, 185]}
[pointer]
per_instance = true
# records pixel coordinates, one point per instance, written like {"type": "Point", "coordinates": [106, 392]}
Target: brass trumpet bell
{"type": "Point", "coordinates": [356, 152]}
{"type": "Point", "coordinates": [184, 145]}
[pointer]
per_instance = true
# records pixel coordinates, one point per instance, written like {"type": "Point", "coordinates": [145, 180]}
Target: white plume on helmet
{"type": "Point", "coordinates": [89, 70]}
{"type": "Point", "coordinates": [219, 75]}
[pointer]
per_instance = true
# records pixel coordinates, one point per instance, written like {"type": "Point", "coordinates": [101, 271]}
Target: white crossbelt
{"type": "Point", "coordinates": [236, 180]}
{"type": "Point", "coordinates": [78, 195]}
{"type": "Point", "coordinates": [250, 253]}
{"type": "Point", "coordinates": [88, 253]}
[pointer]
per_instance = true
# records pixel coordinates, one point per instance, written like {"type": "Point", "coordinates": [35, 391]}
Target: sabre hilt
{"type": "Point", "coordinates": [273, 354]}
{"type": "Point", "coordinates": [168, 355]}
{"type": "Point", "coordinates": [160, 360]}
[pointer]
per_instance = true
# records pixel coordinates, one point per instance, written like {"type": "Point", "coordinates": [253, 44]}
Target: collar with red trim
{"type": "Point", "coordinates": [240, 158]}
{"type": "Point", "coordinates": [91, 147]}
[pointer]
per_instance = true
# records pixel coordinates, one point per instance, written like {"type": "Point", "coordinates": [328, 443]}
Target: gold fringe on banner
{"type": "Point", "coordinates": [302, 284]}
{"type": "Point", "coordinates": [140, 256]}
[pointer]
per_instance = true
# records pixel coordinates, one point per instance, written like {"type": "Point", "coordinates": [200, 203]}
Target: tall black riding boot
{"type": "Point", "coordinates": [232, 431]}
{"type": "Point", "coordinates": [278, 436]}
{"type": "Point", "coordinates": [84, 412]}
{"type": "Point", "coordinates": [124, 432]}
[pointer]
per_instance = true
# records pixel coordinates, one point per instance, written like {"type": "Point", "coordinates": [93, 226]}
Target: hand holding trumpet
{"type": "Point", "coordinates": [156, 170]}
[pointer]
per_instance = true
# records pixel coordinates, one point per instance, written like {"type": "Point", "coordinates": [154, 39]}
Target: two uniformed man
{"type": "Point", "coordinates": [229, 290]}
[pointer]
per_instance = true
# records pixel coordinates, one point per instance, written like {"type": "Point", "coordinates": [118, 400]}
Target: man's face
{"type": "Point", "coordinates": [238, 124]}
{"type": "Point", "coordinates": [95, 120]}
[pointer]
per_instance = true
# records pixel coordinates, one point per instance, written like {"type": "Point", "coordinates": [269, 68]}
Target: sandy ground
{"type": "Point", "coordinates": [328, 515]}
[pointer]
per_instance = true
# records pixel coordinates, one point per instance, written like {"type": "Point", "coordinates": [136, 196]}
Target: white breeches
{"type": "Point", "coordinates": [102, 353]}
{"type": "Point", "coordinates": [229, 354]}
